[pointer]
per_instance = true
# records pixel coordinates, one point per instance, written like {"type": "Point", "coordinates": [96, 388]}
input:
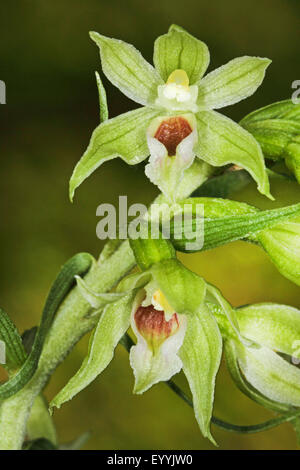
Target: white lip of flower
{"type": "Point", "coordinates": [176, 94]}
{"type": "Point", "coordinates": [164, 171]}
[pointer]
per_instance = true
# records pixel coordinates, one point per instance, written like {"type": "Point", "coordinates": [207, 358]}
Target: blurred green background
{"type": "Point", "coordinates": [48, 61]}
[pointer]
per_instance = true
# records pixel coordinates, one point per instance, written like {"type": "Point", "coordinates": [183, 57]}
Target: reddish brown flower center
{"type": "Point", "coordinates": [153, 326]}
{"type": "Point", "coordinates": [171, 132]}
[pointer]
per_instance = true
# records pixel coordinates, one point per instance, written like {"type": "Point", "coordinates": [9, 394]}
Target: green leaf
{"type": "Point", "coordinates": [184, 290]}
{"type": "Point", "coordinates": [201, 354]}
{"type": "Point", "coordinates": [14, 349]}
{"type": "Point", "coordinates": [126, 68]}
{"type": "Point", "coordinates": [102, 99]}
{"type": "Point", "coordinates": [292, 156]}
{"type": "Point", "coordinates": [78, 264]}
{"type": "Point", "coordinates": [180, 50]}
{"type": "Point", "coordinates": [123, 136]}
{"type": "Point", "coordinates": [232, 82]}
{"type": "Point", "coordinates": [112, 325]}
{"type": "Point", "coordinates": [272, 325]}
{"type": "Point", "coordinates": [222, 141]}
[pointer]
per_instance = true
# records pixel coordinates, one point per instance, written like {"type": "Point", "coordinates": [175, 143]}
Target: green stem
{"type": "Point", "coordinates": [71, 323]}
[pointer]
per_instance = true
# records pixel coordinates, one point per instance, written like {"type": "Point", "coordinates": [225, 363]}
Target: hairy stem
{"type": "Point", "coordinates": [71, 323]}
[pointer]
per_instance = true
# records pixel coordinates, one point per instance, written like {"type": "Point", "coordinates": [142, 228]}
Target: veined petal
{"type": "Point", "coordinates": [201, 355]}
{"type": "Point", "coordinates": [271, 375]}
{"type": "Point", "coordinates": [272, 325]}
{"type": "Point", "coordinates": [232, 82]}
{"type": "Point", "coordinates": [112, 325]}
{"type": "Point", "coordinates": [180, 50]}
{"type": "Point", "coordinates": [184, 290]}
{"type": "Point", "coordinates": [154, 358]}
{"type": "Point", "coordinates": [126, 68]}
{"type": "Point", "coordinates": [168, 162]}
{"type": "Point", "coordinates": [222, 141]}
{"type": "Point", "coordinates": [123, 136]}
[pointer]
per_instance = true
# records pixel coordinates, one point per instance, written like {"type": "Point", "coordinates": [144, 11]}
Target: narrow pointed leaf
{"type": "Point", "coordinates": [102, 99]}
{"type": "Point", "coordinates": [112, 325]}
{"type": "Point", "coordinates": [77, 265]}
{"type": "Point", "coordinates": [123, 136]}
{"type": "Point", "coordinates": [222, 141]}
{"type": "Point", "coordinates": [232, 82]}
{"type": "Point", "coordinates": [180, 50]}
{"type": "Point", "coordinates": [126, 68]}
{"type": "Point", "coordinates": [201, 354]}
{"type": "Point", "coordinates": [14, 349]}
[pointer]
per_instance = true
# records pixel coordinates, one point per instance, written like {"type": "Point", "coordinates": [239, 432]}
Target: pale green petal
{"type": "Point", "coordinates": [112, 325]}
{"type": "Point", "coordinates": [180, 50]}
{"type": "Point", "coordinates": [232, 82]}
{"type": "Point", "coordinates": [201, 354]}
{"type": "Point", "coordinates": [184, 290]}
{"type": "Point", "coordinates": [271, 375]}
{"type": "Point", "coordinates": [273, 325]}
{"type": "Point", "coordinates": [126, 68]}
{"type": "Point", "coordinates": [123, 136]}
{"type": "Point", "coordinates": [221, 141]}
{"type": "Point", "coordinates": [282, 243]}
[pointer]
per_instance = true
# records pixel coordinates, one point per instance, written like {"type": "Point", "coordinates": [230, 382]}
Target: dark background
{"type": "Point", "coordinates": [48, 61]}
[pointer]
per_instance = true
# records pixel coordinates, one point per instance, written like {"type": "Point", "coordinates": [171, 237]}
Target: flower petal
{"type": "Point", "coordinates": [272, 325]}
{"type": "Point", "coordinates": [201, 355]}
{"type": "Point", "coordinates": [180, 50]}
{"type": "Point", "coordinates": [112, 325]}
{"type": "Point", "coordinates": [183, 289]}
{"type": "Point", "coordinates": [123, 136]}
{"type": "Point", "coordinates": [271, 375]}
{"type": "Point", "coordinates": [126, 68]}
{"type": "Point", "coordinates": [282, 243]}
{"type": "Point", "coordinates": [167, 172]}
{"type": "Point", "coordinates": [153, 365]}
{"type": "Point", "coordinates": [232, 82]}
{"type": "Point", "coordinates": [222, 141]}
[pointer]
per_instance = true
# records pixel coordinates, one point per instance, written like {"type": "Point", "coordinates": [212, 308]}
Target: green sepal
{"type": "Point", "coordinates": [79, 264]}
{"type": "Point", "coordinates": [126, 68]}
{"type": "Point", "coordinates": [112, 325]}
{"type": "Point", "coordinates": [222, 141]}
{"type": "Point", "coordinates": [123, 136]}
{"type": "Point", "coordinates": [180, 50]}
{"type": "Point", "coordinates": [183, 289]}
{"type": "Point", "coordinates": [201, 355]}
{"type": "Point", "coordinates": [277, 129]}
{"type": "Point", "coordinates": [97, 300]}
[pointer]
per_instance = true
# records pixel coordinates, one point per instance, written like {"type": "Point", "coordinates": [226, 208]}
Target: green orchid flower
{"type": "Point", "coordinates": [164, 306]}
{"type": "Point", "coordinates": [267, 370]}
{"type": "Point", "coordinates": [177, 121]}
